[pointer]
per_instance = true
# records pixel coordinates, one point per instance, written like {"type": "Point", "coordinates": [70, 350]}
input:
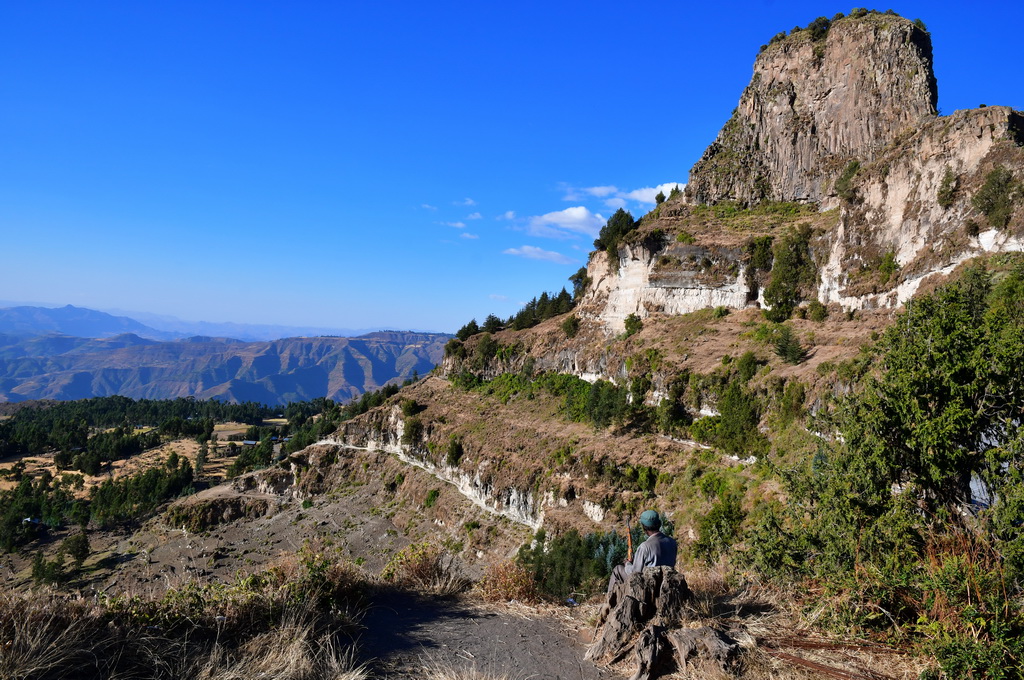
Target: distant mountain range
{"type": "Point", "coordinates": [276, 372]}
{"type": "Point", "coordinates": [74, 353]}
{"type": "Point", "coordinates": [90, 323]}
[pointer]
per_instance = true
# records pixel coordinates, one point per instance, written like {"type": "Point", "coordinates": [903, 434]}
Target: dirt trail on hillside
{"type": "Point", "coordinates": [405, 634]}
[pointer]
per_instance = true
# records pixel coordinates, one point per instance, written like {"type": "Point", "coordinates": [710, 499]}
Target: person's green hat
{"type": "Point", "coordinates": [650, 519]}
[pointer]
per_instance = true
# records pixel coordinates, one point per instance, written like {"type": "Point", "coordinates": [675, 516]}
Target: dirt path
{"type": "Point", "coordinates": [405, 634]}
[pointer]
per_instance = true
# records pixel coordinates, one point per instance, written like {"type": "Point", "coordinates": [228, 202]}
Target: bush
{"type": "Point", "coordinates": [412, 432]}
{"type": "Point", "coordinates": [633, 325]}
{"type": "Point", "coordinates": [792, 270]}
{"type": "Point", "coordinates": [427, 567]}
{"type": "Point", "coordinates": [788, 347]}
{"type": "Point", "coordinates": [571, 326]}
{"type": "Point", "coordinates": [996, 197]}
{"type": "Point", "coordinates": [431, 498]}
{"type": "Point", "coordinates": [816, 311]}
{"type": "Point", "coordinates": [947, 189]}
{"type": "Point", "coordinates": [844, 184]}
{"type": "Point", "coordinates": [455, 451]}
{"type": "Point", "coordinates": [719, 528]}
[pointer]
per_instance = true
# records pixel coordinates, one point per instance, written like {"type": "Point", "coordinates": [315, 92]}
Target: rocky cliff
{"type": "Point", "coordinates": [839, 117]}
{"type": "Point", "coordinates": [819, 98]}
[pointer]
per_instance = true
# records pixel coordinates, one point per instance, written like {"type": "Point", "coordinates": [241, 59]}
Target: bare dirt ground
{"type": "Point", "coordinates": [403, 634]}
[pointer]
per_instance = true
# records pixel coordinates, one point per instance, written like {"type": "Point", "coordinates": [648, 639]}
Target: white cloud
{"type": "Point", "coordinates": [615, 203]}
{"type": "Point", "coordinates": [648, 194]}
{"type": "Point", "coordinates": [534, 253]}
{"type": "Point", "coordinates": [571, 193]}
{"type": "Point", "coordinates": [457, 225]}
{"type": "Point", "coordinates": [465, 235]}
{"type": "Point", "coordinates": [507, 215]}
{"type": "Point", "coordinates": [474, 216]}
{"type": "Point", "coordinates": [495, 296]}
{"type": "Point", "coordinates": [465, 201]}
{"type": "Point", "coordinates": [566, 223]}
{"type": "Point", "coordinates": [427, 206]}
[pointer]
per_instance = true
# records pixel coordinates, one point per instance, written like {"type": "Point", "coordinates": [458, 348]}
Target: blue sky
{"type": "Point", "coordinates": [374, 164]}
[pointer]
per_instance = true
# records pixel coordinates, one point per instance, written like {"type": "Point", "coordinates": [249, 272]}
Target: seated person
{"type": "Point", "coordinates": [657, 551]}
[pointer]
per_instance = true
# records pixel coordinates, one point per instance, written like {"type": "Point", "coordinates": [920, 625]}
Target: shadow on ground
{"type": "Point", "coordinates": [405, 633]}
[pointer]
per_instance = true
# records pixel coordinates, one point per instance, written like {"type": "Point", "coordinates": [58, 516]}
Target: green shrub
{"type": "Point", "coordinates": [996, 197]}
{"type": "Point", "coordinates": [888, 267]}
{"type": "Point", "coordinates": [455, 452]}
{"type": "Point", "coordinates": [844, 184]}
{"type": "Point", "coordinates": [788, 347]}
{"type": "Point", "coordinates": [719, 528]}
{"type": "Point", "coordinates": [412, 433]}
{"type": "Point", "coordinates": [633, 325]}
{"type": "Point", "coordinates": [792, 270]}
{"type": "Point", "coordinates": [571, 326]}
{"type": "Point", "coordinates": [816, 311]}
{"type": "Point", "coordinates": [431, 498]}
{"type": "Point", "coordinates": [685, 237]}
{"type": "Point", "coordinates": [947, 189]}
{"type": "Point", "coordinates": [719, 312]}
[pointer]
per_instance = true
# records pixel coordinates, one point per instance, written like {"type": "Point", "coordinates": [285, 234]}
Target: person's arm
{"type": "Point", "coordinates": [642, 558]}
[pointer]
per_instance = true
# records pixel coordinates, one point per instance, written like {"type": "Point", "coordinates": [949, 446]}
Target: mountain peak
{"type": "Point", "coordinates": [821, 96]}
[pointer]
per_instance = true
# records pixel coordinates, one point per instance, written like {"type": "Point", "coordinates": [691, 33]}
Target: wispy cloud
{"type": "Point", "coordinates": [474, 216]}
{"type": "Point", "coordinates": [427, 206]}
{"type": "Point", "coordinates": [457, 225]}
{"type": "Point", "coordinates": [495, 296]}
{"type": "Point", "coordinates": [467, 235]}
{"type": "Point", "coordinates": [534, 253]}
{"type": "Point", "coordinates": [648, 194]}
{"type": "Point", "coordinates": [566, 223]}
{"type": "Point", "coordinates": [615, 197]}
{"type": "Point", "coordinates": [465, 201]}
{"type": "Point", "coordinates": [507, 215]}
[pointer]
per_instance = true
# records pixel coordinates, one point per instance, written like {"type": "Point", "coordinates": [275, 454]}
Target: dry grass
{"type": "Point", "coordinates": [507, 581]}
{"type": "Point", "coordinates": [434, 669]}
{"type": "Point", "coordinates": [290, 622]}
{"type": "Point", "coordinates": [426, 567]}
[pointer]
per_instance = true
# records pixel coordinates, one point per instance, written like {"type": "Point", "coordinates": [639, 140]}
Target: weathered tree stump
{"type": "Point", "coordinates": [646, 614]}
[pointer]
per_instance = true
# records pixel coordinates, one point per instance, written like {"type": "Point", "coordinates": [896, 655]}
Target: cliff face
{"type": "Point", "coordinates": [814, 104]}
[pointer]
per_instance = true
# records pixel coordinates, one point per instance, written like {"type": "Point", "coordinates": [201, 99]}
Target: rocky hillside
{"type": "Point", "coordinates": [292, 369]}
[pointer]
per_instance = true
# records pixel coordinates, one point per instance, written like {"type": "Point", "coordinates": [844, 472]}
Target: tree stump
{"type": "Point", "coordinates": [645, 613]}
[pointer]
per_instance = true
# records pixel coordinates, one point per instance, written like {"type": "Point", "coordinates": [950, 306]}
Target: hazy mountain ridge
{"type": "Point", "coordinates": [290, 369]}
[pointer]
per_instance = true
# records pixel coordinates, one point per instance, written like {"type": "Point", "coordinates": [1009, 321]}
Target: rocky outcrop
{"type": "Point", "coordinates": [815, 102]}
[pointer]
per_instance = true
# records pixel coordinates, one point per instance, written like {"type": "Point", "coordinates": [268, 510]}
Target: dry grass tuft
{"type": "Point", "coordinates": [434, 669]}
{"type": "Point", "coordinates": [506, 581]}
{"type": "Point", "coordinates": [294, 650]}
{"type": "Point", "coordinates": [426, 567]}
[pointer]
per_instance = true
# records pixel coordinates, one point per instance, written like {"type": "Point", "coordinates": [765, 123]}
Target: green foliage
{"type": "Point", "coordinates": [788, 347]}
{"type": "Point", "coordinates": [76, 546]}
{"type": "Point", "coordinates": [455, 451]}
{"type": "Point", "coordinates": [48, 571]}
{"type": "Point", "coordinates": [747, 366]}
{"type": "Point", "coordinates": [660, 198]}
{"type": "Point", "coordinates": [759, 249]}
{"type": "Point", "coordinates": [719, 312]}
{"type": "Point", "coordinates": [816, 311]}
{"type": "Point", "coordinates": [792, 270]}
{"type": "Point", "coordinates": [685, 237]}
{"type": "Point", "coordinates": [612, 233]}
{"type": "Point", "coordinates": [633, 325]}
{"type": "Point", "coordinates": [920, 24]}
{"type": "Point", "coordinates": [739, 413]}
{"type": "Point", "coordinates": [431, 498]}
{"type": "Point", "coordinates": [888, 267]}
{"type": "Point", "coordinates": [492, 324]}
{"type": "Point", "coordinates": [947, 188]}
{"type": "Point", "coordinates": [252, 458]}
{"type": "Point", "coordinates": [844, 183]}
{"type": "Point", "coordinates": [467, 331]}
{"type": "Point", "coordinates": [718, 529]}
{"type": "Point", "coordinates": [997, 196]}
{"type": "Point", "coordinates": [412, 431]}
{"type": "Point", "coordinates": [580, 282]}
{"type": "Point", "coordinates": [819, 28]}
{"type": "Point", "coordinates": [571, 326]}
{"type": "Point", "coordinates": [675, 192]}
{"type": "Point", "coordinates": [571, 564]}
